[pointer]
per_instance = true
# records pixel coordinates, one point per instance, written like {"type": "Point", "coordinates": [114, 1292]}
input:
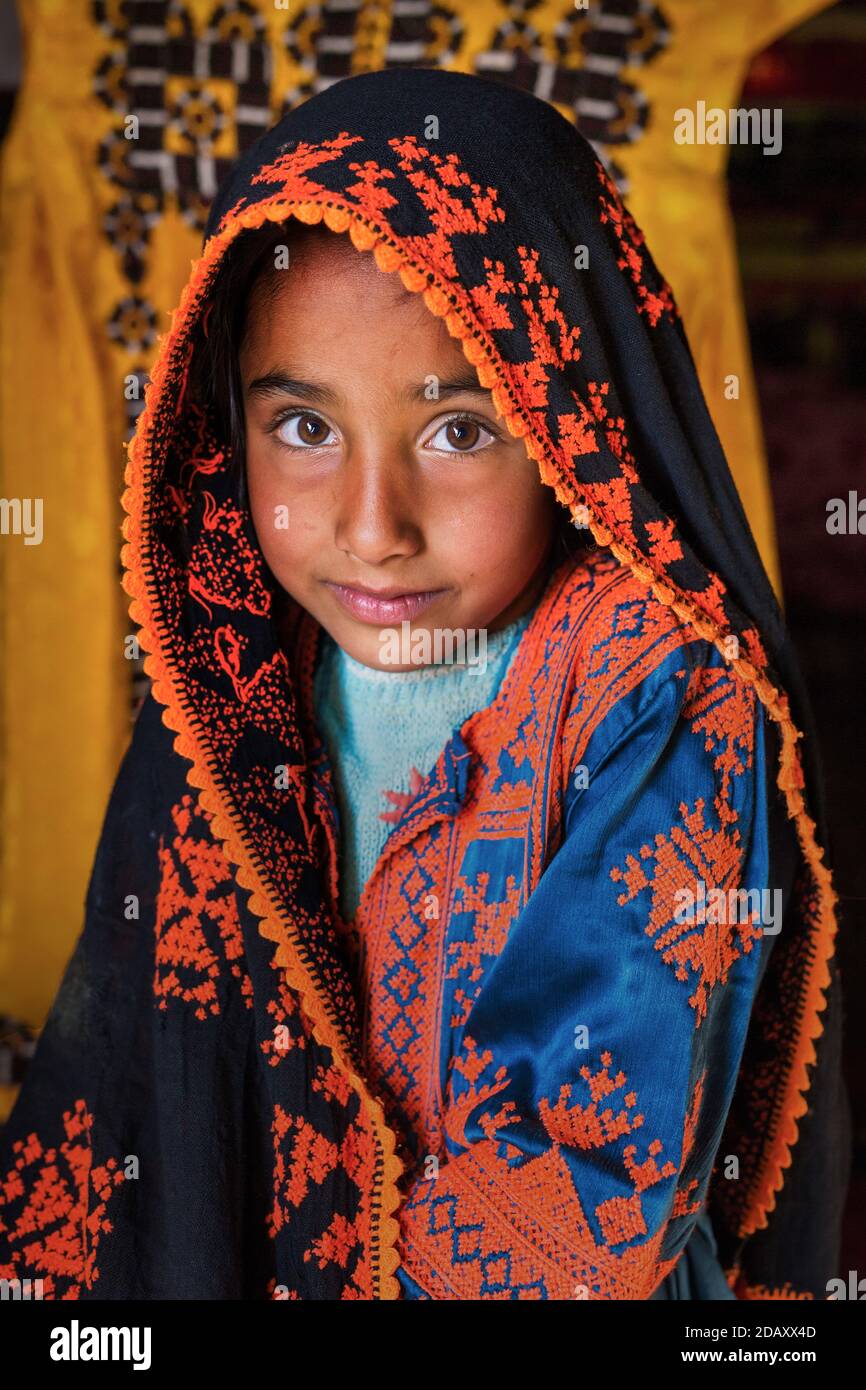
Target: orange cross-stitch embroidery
{"type": "Point", "coordinates": [63, 1199]}
{"type": "Point", "coordinates": [197, 924]}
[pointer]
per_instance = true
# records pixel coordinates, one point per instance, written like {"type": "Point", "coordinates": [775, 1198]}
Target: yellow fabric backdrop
{"type": "Point", "coordinates": [97, 233]}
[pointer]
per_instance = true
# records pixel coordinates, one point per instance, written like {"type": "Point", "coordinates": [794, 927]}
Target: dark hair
{"type": "Point", "coordinates": [215, 376]}
{"type": "Point", "coordinates": [215, 372]}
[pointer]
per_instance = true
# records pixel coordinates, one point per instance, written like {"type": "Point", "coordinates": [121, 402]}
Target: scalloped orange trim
{"type": "Point", "coordinates": [482, 354]}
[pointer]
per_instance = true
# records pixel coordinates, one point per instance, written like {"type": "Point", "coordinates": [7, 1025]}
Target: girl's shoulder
{"type": "Point", "coordinates": [601, 633]}
{"type": "Point", "coordinates": [606, 620]}
{"type": "Point", "coordinates": [623, 665]}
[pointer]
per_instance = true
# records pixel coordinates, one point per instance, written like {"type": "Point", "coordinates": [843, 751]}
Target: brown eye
{"type": "Point", "coordinates": [462, 435]}
{"type": "Point", "coordinates": [303, 429]}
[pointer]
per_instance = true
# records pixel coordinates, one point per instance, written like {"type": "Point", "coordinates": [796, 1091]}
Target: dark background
{"type": "Point", "coordinates": [801, 236]}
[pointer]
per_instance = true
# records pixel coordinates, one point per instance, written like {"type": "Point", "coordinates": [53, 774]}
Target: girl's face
{"type": "Point", "coordinates": [374, 501]}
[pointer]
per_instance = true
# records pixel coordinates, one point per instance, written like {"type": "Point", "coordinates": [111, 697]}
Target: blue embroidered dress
{"type": "Point", "coordinates": [384, 731]}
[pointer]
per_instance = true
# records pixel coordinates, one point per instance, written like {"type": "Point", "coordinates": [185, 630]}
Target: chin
{"type": "Point", "coordinates": [363, 647]}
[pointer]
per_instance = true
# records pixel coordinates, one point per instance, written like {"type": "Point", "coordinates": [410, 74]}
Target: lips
{"type": "Point", "coordinates": [384, 606]}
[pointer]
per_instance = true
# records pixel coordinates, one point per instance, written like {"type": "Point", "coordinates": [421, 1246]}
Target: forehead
{"type": "Point", "coordinates": [327, 294]}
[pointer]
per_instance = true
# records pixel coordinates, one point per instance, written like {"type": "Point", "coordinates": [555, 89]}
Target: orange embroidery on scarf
{"type": "Point", "coordinates": [540, 303]}
{"type": "Point", "coordinates": [664, 546]}
{"type": "Point", "coordinates": [56, 1234]}
{"type": "Point", "coordinates": [304, 1159]}
{"type": "Point", "coordinates": [221, 562]}
{"type": "Point", "coordinates": [291, 1028]}
{"type": "Point", "coordinates": [634, 259]}
{"type": "Point", "coordinates": [196, 912]}
{"type": "Point", "coordinates": [291, 168]}
{"type": "Point", "coordinates": [439, 185]}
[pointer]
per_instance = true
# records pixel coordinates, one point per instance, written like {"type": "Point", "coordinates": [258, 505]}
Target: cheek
{"type": "Point", "coordinates": [500, 530]}
{"type": "Point", "coordinates": [287, 520]}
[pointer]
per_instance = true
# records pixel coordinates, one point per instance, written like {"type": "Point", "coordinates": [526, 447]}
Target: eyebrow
{"type": "Point", "coordinates": [277, 383]}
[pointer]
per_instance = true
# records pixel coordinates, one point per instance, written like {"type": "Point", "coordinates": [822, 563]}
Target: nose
{"type": "Point", "coordinates": [377, 516]}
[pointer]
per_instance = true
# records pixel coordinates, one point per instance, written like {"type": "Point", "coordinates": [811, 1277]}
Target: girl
{"type": "Point", "coordinates": [496, 970]}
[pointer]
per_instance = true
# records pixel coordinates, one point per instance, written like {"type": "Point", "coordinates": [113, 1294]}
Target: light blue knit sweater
{"type": "Point", "coordinates": [384, 731]}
